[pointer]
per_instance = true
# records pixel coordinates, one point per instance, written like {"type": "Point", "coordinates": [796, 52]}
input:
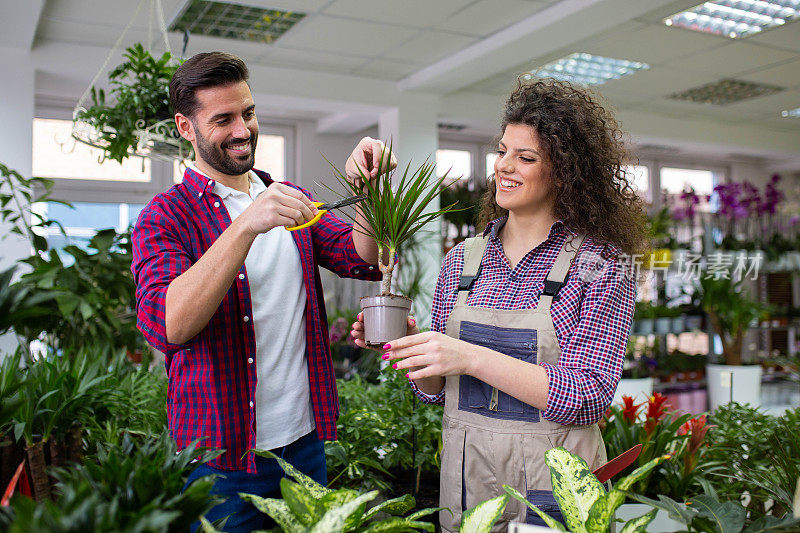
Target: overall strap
{"type": "Point", "coordinates": [473, 253]}
{"type": "Point", "coordinates": [557, 277]}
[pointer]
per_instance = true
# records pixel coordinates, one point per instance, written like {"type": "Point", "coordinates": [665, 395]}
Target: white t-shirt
{"type": "Point", "coordinates": [278, 297]}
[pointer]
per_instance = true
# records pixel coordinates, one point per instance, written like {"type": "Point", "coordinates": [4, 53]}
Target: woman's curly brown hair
{"type": "Point", "coordinates": [585, 148]}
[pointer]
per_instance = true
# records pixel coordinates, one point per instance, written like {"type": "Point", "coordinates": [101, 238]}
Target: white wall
{"type": "Point", "coordinates": [16, 116]}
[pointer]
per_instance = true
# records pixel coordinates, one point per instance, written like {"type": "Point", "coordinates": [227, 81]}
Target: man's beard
{"type": "Point", "coordinates": [220, 160]}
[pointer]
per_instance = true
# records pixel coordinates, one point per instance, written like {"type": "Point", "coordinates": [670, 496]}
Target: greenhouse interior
{"type": "Point", "coordinates": [382, 265]}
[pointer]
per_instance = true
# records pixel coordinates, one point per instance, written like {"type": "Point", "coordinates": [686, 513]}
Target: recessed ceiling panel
{"type": "Point", "coordinates": [725, 92]}
{"type": "Point", "coordinates": [234, 21]}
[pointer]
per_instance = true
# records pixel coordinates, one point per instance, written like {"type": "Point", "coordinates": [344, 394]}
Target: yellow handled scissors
{"type": "Point", "coordinates": [323, 208]}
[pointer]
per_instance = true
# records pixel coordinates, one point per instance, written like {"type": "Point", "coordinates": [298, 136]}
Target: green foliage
{"type": "Point", "coordinates": [584, 503]}
{"type": "Point", "coordinates": [90, 302]}
{"type": "Point", "coordinates": [463, 219]}
{"type": "Point", "coordinates": [393, 214]}
{"type": "Point", "coordinates": [659, 229]}
{"type": "Point", "coordinates": [140, 95]}
{"type": "Point", "coordinates": [382, 427]}
{"type": "Point", "coordinates": [731, 311]}
{"type": "Point", "coordinates": [761, 454]}
{"type": "Point", "coordinates": [17, 195]}
{"type": "Point", "coordinates": [136, 486]}
{"type": "Point", "coordinates": [309, 507]}
{"type": "Point", "coordinates": [483, 516]}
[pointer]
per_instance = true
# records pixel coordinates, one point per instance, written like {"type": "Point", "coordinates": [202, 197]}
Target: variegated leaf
{"type": "Point", "coordinates": [602, 512]}
{"type": "Point", "coordinates": [395, 506]}
{"type": "Point", "coordinates": [427, 511]}
{"type": "Point", "coordinates": [398, 524]}
{"type": "Point", "coordinates": [334, 520]}
{"type": "Point", "coordinates": [277, 510]}
{"type": "Point", "coordinates": [482, 517]}
{"type": "Point", "coordinates": [316, 489]}
{"type": "Point", "coordinates": [639, 525]}
{"type": "Point", "coordinates": [575, 488]}
{"type": "Point", "coordinates": [551, 522]}
{"type": "Point", "coordinates": [301, 502]}
{"type": "Point", "coordinates": [206, 526]}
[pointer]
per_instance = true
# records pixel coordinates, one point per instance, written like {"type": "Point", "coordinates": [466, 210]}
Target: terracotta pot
{"type": "Point", "coordinates": [385, 318]}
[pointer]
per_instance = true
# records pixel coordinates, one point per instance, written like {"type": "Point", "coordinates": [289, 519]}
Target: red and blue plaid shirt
{"type": "Point", "coordinates": [592, 315]}
{"type": "Point", "coordinates": [211, 386]}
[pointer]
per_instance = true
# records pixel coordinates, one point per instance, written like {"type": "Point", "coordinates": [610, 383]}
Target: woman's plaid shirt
{"type": "Point", "coordinates": [592, 315]}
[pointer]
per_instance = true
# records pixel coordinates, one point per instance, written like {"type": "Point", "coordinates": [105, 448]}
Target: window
{"type": "Point", "coordinates": [58, 155]}
{"type": "Point", "coordinates": [675, 180]}
{"type": "Point", "coordinates": [455, 163]}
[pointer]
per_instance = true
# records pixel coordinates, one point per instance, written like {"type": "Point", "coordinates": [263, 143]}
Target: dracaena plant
{"type": "Point", "coordinates": [393, 214]}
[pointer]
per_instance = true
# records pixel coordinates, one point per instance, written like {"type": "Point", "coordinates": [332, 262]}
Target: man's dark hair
{"type": "Point", "coordinates": [210, 69]}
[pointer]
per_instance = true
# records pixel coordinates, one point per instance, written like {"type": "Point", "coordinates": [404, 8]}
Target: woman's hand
{"type": "Point", "coordinates": [431, 354]}
{"type": "Point", "coordinates": [357, 329]}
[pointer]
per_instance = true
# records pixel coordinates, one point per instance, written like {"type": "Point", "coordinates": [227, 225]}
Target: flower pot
{"type": "Point", "coordinates": [385, 318]}
{"type": "Point", "coordinates": [639, 389]}
{"type": "Point", "coordinates": [728, 383]}
{"type": "Point", "coordinates": [694, 322]}
{"type": "Point", "coordinates": [663, 325]}
{"type": "Point", "coordinates": [678, 324]}
{"type": "Point", "coordinates": [643, 326]}
{"type": "Point", "coordinates": [662, 523]}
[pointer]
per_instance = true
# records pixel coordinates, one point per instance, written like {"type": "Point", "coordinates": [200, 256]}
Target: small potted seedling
{"type": "Point", "coordinates": [393, 214]}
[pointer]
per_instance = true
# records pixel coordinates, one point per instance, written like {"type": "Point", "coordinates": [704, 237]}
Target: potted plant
{"type": "Point", "coordinates": [730, 312]}
{"type": "Point", "coordinates": [138, 119]}
{"type": "Point", "coordinates": [393, 215]}
{"type": "Point", "coordinates": [643, 318]}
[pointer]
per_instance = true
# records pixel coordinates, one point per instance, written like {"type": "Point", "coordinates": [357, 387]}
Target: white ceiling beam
{"type": "Point", "coordinates": [542, 33]}
{"type": "Point", "coordinates": [19, 22]}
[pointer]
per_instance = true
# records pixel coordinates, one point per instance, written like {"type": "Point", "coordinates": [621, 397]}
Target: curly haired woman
{"type": "Point", "coordinates": [531, 319]}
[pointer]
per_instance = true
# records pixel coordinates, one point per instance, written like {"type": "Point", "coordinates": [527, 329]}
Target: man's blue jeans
{"type": "Point", "coordinates": [307, 454]}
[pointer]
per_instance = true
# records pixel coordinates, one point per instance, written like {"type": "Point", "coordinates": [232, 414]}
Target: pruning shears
{"type": "Point", "coordinates": [325, 207]}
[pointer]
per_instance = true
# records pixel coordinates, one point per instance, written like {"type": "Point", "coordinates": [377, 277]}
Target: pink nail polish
{"type": "Point", "coordinates": [413, 322]}
{"type": "Point", "coordinates": [407, 376]}
{"type": "Point", "coordinates": [385, 356]}
{"type": "Point", "coordinates": [394, 366]}
{"type": "Point", "coordinates": [387, 346]}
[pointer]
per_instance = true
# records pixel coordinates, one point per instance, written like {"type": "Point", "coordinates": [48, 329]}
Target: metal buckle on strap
{"type": "Point", "coordinates": [466, 282]}
{"type": "Point", "coordinates": [551, 288]}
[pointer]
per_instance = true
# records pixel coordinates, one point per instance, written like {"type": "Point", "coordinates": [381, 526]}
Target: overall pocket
{"type": "Point", "coordinates": [545, 502]}
{"type": "Point", "coordinates": [477, 396]}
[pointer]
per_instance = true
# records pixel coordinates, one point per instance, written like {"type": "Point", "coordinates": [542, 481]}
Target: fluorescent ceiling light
{"type": "Point", "coordinates": [586, 69]}
{"type": "Point", "coordinates": [234, 21]}
{"type": "Point", "coordinates": [791, 113]}
{"type": "Point", "coordinates": [736, 18]}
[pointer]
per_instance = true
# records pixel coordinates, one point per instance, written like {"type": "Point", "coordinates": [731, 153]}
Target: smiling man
{"type": "Point", "coordinates": [234, 299]}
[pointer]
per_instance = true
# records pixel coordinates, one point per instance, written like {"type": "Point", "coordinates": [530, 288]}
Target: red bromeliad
{"type": "Point", "coordinates": [630, 411]}
{"type": "Point", "coordinates": [655, 412]}
{"type": "Point", "coordinates": [696, 428]}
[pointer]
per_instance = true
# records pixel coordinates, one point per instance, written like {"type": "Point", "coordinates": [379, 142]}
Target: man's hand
{"type": "Point", "coordinates": [366, 158]}
{"type": "Point", "coordinates": [279, 205]}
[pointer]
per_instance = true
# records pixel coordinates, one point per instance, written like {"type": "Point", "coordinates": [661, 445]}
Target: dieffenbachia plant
{"type": "Point", "coordinates": [394, 214]}
{"type": "Point", "coordinates": [584, 502]}
{"type": "Point", "coordinates": [309, 507]}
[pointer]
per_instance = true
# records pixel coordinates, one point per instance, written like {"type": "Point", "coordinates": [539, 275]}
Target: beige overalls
{"type": "Point", "coordinates": [490, 438]}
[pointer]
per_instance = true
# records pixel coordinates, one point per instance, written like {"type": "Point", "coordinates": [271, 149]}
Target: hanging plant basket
{"type": "Point", "coordinates": [136, 119]}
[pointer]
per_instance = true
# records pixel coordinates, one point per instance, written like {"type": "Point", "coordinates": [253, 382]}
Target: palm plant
{"type": "Point", "coordinates": [395, 213]}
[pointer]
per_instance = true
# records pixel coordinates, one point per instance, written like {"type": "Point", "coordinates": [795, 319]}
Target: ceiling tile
{"type": "Point", "coordinates": [418, 13]}
{"type": "Point", "coordinates": [89, 33]}
{"type": "Point", "coordinates": [334, 35]}
{"type": "Point", "coordinates": [246, 50]}
{"type": "Point", "coordinates": [787, 36]}
{"type": "Point", "coordinates": [309, 60]}
{"type": "Point", "coordinates": [654, 44]}
{"type": "Point", "coordinates": [783, 75]}
{"type": "Point", "coordinates": [303, 6]}
{"type": "Point", "coordinates": [658, 81]}
{"type": "Point", "coordinates": [384, 69]}
{"type": "Point", "coordinates": [487, 16]}
{"type": "Point", "coordinates": [428, 46]}
{"type": "Point", "coordinates": [733, 59]}
{"type": "Point", "coordinates": [768, 106]}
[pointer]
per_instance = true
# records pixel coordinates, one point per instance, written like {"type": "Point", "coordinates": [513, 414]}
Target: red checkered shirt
{"type": "Point", "coordinates": [211, 386]}
{"type": "Point", "coordinates": [592, 316]}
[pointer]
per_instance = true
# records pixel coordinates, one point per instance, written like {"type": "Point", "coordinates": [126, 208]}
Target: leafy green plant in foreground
{"type": "Point", "coordinates": [308, 506]}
